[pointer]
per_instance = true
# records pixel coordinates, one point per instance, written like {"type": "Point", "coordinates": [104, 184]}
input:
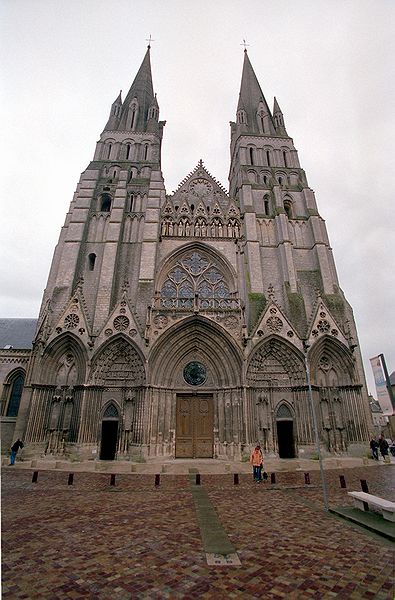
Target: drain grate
{"type": "Point", "coordinates": [219, 560]}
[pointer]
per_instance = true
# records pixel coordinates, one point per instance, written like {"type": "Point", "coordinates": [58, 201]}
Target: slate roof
{"type": "Point", "coordinates": [18, 333]}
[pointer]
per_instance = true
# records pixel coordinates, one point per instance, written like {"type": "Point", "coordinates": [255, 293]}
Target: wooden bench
{"type": "Point", "coordinates": [362, 498]}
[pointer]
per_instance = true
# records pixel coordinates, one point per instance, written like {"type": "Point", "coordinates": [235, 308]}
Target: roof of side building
{"type": "Point", "coordinates": [17, 333]}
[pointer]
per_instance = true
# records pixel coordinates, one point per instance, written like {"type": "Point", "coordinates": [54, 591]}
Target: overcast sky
{"type": "Point", "coordinates": [328, 62]}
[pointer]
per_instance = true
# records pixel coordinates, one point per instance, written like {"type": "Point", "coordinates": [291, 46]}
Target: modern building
{"type": "Point", "coordinates": [182, 325]}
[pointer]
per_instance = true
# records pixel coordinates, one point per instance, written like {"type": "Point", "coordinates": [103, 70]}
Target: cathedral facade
{"type": "Point", "coordinates": [184, 325]}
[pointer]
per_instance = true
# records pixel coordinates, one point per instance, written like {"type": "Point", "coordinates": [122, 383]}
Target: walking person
{"type": "Point", "coordinates": [14, 449]}
{"type": "Point", "coordinates": [374, 446]}
{"type": "Point", "coordinates": [383, 445]}
{"type": "Point", "coordinates": [256, 459]}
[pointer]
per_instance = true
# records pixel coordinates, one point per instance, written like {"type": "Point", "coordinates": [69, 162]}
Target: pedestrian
{"type": "Point", "coordinates": [14, 449]}
{"type": "Point", "coordinates": [256, 459]}
{"type": "Point", "coordinates": [374, 446]}
{"type": "Point", "coordinates": [383, 445]}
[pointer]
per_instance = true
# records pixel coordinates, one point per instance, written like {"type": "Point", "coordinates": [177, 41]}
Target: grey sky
{"type": "Point", "coordinates": [329, 63]}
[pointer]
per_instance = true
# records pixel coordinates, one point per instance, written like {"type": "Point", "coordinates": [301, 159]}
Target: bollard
{"type": "Point", "coordinates": [235, 478]}
{"type": "Point", "coordinates": [35, 477]}
{"type": "Point", "coordinates": [272, 478]}
{"type": "Point", "coordinates": [307, 478]}
{"type": "Point", "coordinates": [365, 488]}
{"type": "Point", "coordinates": [197, 478]}
{"type": "Point", "coordinates": [71, 479]}
{"type": "Point", "coordinates": [342, 481]}
{"type": "Point", "coordinates": [112, 479]}
{"type": "Point", "coordinates": [157, 479]}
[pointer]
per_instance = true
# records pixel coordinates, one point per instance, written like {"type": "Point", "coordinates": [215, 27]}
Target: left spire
{"type": "Point", "coordinates": [132, 114]}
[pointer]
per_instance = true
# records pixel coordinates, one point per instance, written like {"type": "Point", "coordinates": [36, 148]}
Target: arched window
{"type": "Point", "coordinates": [285, 158]}
{"type": "Point", "coordinates": [268, 158]}
{"type": "Point", "coordinates": [241, 117]}
{"type": "Point", "coordinates": [111, 412]}
{"type": "Point", "coordinates": [251, 153]}
{"type": "Point", "coordinates": [105, 203]}
{"type": "Point", "coordinates": [288, 208]}
{"type": "Point", "coordinates": [133, 118]}
{"type": "Point", "coordinates": [284, 412]}
{"type": "Point", "coordinates": [109, 150]}
{"type": "Point", "coordinates": [266, 204]}
{"type": "Point", "coordinates": [91, 261]}
{"type": "Point", "coordinates": [195, 276]}
{"type": "Point", "coordinates": [15, 394]}
{"type": "Point", "coordinates": [280, 180]}
{"type": "Point", "coordinates": [127, 151]}
{"type": "Point", "coordinates": [145, 151]}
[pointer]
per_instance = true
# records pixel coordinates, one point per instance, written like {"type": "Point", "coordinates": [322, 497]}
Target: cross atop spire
{"type": "Point", "coordinates": [149, 40]}
{"type": "Point", "coordinates": [245, 45]}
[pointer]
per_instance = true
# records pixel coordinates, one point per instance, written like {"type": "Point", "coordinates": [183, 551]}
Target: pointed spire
{"type": "Point", "coordinates": [252, 109]}
{"type": "Point", "coordinates": [278, 118]}
{"type": "Point", "coordinates": [140, 97]}
{"type": "Point", "coordinates": [115, 114]}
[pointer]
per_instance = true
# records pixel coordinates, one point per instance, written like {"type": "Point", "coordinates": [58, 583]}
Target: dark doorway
{"type": "Point", "coordinates": [109, 434]}
{"type": "Point", "coordinates": [285, 438]}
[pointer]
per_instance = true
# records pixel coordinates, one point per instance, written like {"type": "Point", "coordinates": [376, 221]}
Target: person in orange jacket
{"type": "Point", "coordinates": [256, 459]}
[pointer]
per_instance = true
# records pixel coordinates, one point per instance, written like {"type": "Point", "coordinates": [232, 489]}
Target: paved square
{"type": "Point", "coordinates": [132, 541]}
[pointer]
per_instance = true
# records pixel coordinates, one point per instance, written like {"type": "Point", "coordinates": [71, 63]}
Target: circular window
{"type": "Point", "coordinates": [195, 373]}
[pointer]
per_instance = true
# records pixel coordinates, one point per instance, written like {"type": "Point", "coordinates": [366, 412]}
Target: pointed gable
{"type": "Point", "coordinates": [74, 318]}
{"type": "Point", "coordinates": [121, 320]}
{"type": "Point", "coordinates": [323, 323]}
{"type": "Point", "coordinates": [275, 322]}
{"type": "Point", "coordinates": [200, 188]}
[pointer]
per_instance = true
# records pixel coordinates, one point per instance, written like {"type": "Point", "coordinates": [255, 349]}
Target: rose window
{"type": "Point", "coordinates": [195, 373]}
{"type": "Point", "coordinates": [121, 323]}
{"type": "Point", "coordinates": [71, 321]}
{"type": "Point", "coordinates": [323, 326]}
{"type": "Point", "coordinates": [274, 323]}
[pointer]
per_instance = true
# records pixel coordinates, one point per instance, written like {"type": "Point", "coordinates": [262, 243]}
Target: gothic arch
{"type": "Point", "coordinates": [12, 392]}
{"type": "Point", "coordinates": [110, 410]}
{"type": "Point", "coordinates": [195, 339]}
{"type": "Point", "coordinates": [275, 357]}
{"type": "Point", "coordinates": [284, 411]}
{"type": "Point", "coordinates": [118, 360]}
{"type": "Point", "coordinates": [64, 361]}
{"type": "Point", "coordinates": [331, 363]}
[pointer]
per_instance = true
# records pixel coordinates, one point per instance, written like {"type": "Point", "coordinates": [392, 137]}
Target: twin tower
{"type": "Point", "coordinates": [179, 325]}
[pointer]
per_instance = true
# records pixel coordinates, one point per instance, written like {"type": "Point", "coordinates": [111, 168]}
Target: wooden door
{"type": "Point", "coordinates": [194, 426]}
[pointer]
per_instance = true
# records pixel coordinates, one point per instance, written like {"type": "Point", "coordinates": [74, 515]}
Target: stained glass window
{"type": "Point", "coordinates": [15, 396]}
{"type": "Point", "coordinates": [195, 275]}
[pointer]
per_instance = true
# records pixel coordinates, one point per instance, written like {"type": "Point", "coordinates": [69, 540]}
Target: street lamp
{"type": "Point", "coordinates": [315, 425]}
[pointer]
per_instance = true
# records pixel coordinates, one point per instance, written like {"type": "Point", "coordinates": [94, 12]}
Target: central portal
{"type": "Point", "coordinates": [194, 426]}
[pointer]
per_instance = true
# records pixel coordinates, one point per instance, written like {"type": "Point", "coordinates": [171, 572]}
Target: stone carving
{"type": "Point", "coordinates": [71, 321]}
{"type": "Point", "coordinates": [161, 321]}
{"type": "Point", "coordinates": [118, 363]}
{"type": "Point", "coordinates": [121, 323]}
{"type": "Point", "coordinates": [274, 323]}
{"type": "Point", "coordinates": [323, 326]}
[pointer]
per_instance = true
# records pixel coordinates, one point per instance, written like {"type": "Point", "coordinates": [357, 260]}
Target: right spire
{"type": "Point", "coordinates": [253, 113]}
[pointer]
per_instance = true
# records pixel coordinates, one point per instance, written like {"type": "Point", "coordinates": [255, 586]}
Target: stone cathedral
{"type": "Point", "coordinates": [183, 325]}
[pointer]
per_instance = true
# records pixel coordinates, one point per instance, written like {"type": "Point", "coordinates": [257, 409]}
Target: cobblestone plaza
{"type": "Point", "coordinates": [134, 540]}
